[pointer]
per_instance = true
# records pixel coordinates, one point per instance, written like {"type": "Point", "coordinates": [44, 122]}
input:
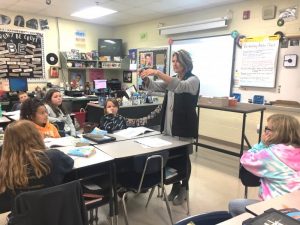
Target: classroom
{"type": "Point", "coordinates": [247, 49]}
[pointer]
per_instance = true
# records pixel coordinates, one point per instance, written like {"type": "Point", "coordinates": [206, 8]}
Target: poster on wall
{"type": "Point", "coordinates": [154, 58]}
{"type": "Point", "coordinates": [133, 59]}
{"type": "Point", "coordinates": [21, 54]}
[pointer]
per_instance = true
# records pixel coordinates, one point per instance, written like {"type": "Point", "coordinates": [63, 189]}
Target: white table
{"type": "Point", "coordinates": [291, 200]}
{"type": "Point", "coordinates": [4, 119]}
{"type": "Point", "coordinates": [129, 148]}
{"type": "Point", "coordinates": [80, 162]}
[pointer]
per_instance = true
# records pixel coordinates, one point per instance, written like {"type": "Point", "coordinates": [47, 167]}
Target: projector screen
{"type": "Point", "coordinates": [213, 59]}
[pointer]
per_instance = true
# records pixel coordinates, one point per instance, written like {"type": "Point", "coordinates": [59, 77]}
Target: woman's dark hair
{"type": "Point", "coordinates": [29, 108]}
{"type": "Point", "coordinates": [48, 101]}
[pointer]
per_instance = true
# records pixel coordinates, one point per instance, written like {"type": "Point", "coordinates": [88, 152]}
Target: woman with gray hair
{"type": "Point", "coordinates": [179, 116]}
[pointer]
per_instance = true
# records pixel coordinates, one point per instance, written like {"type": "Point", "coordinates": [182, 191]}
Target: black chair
{"type": "Point", "coordinates": [58, 205]}
{"type": "Point", "coordinates": [148, 173]}
{"type": "Point", "coordinates": [178, 160]}
{"type": "Point", "coordinates": [60, 126]}
{"type": "Point", "coordinates": [248, 180]}
{"type": "Point", "coordinates": [210, 218]}
{"type": "Point", "coordinates": [95, 195]}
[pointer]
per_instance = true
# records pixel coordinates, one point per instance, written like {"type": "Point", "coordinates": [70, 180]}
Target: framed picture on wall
{"type": "Point", "coordinates": [54, 72]}
{"type": "Point", "coordinates": [127, 76]}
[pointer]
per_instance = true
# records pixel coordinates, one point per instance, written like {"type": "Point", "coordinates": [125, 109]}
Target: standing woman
{"type": "Point", "coordinates": [26, 165]}
{"type": "Point", "coordinates": [56, 112]}
{"type": "Point", "coordinates": [179, 117]}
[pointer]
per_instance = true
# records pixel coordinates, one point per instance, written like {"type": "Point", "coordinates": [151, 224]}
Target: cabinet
{"type": "Point", "coordinates": [74, 66]}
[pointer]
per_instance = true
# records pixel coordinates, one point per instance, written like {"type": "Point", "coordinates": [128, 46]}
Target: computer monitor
{"type": "Point", "coordinates": [100, 84]}
{"type": "Point", "coordinates": [18, 84]}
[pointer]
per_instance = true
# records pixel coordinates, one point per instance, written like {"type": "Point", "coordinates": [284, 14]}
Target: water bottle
{"type": "Point", "coordinates": [0, 110]}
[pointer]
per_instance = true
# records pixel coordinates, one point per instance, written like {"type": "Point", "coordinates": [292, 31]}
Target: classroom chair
{"type": "Point", "coordinates": [95, 196]}
{"type": "Point", "coordinates": [210, 218]}
{"type": "Point", "coordinates": [58, 205]}
{"type": "Point", "coordinates": [148, 173]}
{"type": "Point", "coordinates": [60, 126]}
{"type": "Point", "coordinates": [178, 160]}
{"type": "Point", "coordinates": [248, 180]}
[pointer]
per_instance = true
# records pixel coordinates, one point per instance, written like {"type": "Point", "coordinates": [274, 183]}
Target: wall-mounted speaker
{"type": "Point", "coordinates": [269, 12]}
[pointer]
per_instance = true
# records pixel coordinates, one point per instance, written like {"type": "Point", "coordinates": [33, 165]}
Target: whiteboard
{"type": "Point", "coordinates": [259, 61]}
{"type": "Point", "coordinates": [213, 59]}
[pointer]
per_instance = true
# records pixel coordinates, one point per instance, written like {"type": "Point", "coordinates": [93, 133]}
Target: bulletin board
{"type": "Point", "coordinates": [21, 54]}
{"type": "Point", "coordinates": [259, 61]}
{"type": "Point", "coordinates": [156, 58]}
{"type": "Point", "coordinates": [287, 78]}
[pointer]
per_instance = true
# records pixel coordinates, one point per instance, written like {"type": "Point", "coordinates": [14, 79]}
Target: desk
{"type": "Point", "coordinates": [99, 164]}
{"type": "Point", "coordinates": [238, 220]}
{"type": "Point", "coordinates": [4, 120]}
{"type": "Point", "coordinates": [74, 104]}
{"type": "Point", "coordinates": [291, 200]}
{"type": "Point", "coordinates": [130, 148]}
{"type": "Point", "coordinates": [243, 108]}
{"type": "Point", "coordinates": [95, 112]}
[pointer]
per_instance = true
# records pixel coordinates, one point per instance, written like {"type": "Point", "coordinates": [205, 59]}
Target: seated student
{"type": "Point", "coordinates": [26, 165]}
{"type": "Point", "coordinates": [40, 93]}
{"type": "Point", "coordinates": [112, 121]}
{"type": "Point", "coordinates": [35, 111]}
{"type": "Point", "coordinates": [22, 97]}
{"type": "Point", "coordinates": [275, 160]}
{"type": "Point", "coordinates": [56, 111]}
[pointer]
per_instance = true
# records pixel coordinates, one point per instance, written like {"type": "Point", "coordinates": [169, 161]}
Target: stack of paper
{"type": "Point", "coordinates": [153, 142]}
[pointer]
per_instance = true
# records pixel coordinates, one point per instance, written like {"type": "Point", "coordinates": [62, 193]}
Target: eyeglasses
{"type": "Point", "coordinates": [267, 129]}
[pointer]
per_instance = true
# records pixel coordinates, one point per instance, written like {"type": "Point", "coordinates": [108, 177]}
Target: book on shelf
{"type": "Point", "coordinates": [170, 172]}
{"type": "Point", "coordinates": [84, 151]}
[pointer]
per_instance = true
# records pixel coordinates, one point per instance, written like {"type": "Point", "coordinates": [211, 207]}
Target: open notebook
{"type": "Point", "coordinates": [133, 132]}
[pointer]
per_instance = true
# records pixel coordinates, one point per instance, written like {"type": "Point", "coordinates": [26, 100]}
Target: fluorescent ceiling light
{"type": "Point", "coordinates": [93, 12]}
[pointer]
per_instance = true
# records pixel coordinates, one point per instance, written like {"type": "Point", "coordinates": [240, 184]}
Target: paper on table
{"type": "Point", "coordinates": [133, 132]}
{"type": "Point", "coordinates": [61, 142]}
{"type": "Point", "coordinates": [153, 142]}
{"type": "Point", "coordinates": [17, 112]}
{"type": "Point", "coordinates": [15, 117]}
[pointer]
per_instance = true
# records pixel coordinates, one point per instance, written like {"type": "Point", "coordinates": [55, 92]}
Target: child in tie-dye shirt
{"type": "Point", "coordinates": [276, 159]}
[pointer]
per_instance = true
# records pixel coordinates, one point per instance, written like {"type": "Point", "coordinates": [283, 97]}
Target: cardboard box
{"type": "Point", "coordinates": [216, 101]}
